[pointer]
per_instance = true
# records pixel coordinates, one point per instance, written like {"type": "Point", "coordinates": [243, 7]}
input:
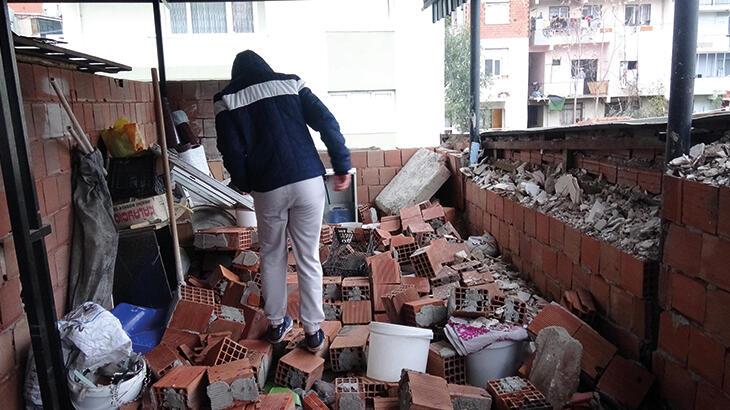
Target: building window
{"type": "Point", "coordinates": [556, 61]}
{"type": "Point", "coordinates": [629, 65]}
{"type": "Point", "coordinates": [638, 14]}
{"type": "Point", "coordinates": [202, 17]}
{"type": "Point", "coordinates": [208, 17]}
{"type": "Point", "coordinates": [178, 17]}
{"type": "Point", "coordinates": [496, 12]}
{"type": "Point", "coordinates": [713, 2]}
{"type": "Point", "coordinates": [591, 15]}
{"type": "Point", "coordinates": [566, 116]}
{"type": "Point", "coordinates": [562, 12]}
{"type": "Point", "coordinates": [492, 68]}
{"type": "Point", "coordinates": [242, 17]}
{"type": "Point", "coordinates": [713, 65]}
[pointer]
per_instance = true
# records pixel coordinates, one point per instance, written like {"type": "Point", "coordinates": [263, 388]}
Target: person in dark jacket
{"type": "Point", "coordinates": [261, 122]}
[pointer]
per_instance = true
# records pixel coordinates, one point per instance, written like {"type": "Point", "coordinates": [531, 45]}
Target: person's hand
{"type": "Point", "coordinates": [342, 182]}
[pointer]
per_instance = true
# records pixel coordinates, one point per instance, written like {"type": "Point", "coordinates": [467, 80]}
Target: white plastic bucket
{"type": "Point", "coordinates": [501, 359]}
{"type": "Point", "coordinates": [106, 397]}
{"type": "Point", "coordinates": [394, 348]}
{"type": "Point", "coordinates": [245, 218]}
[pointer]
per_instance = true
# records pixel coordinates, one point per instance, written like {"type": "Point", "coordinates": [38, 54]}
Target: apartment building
{"type": "Point", "coordinates": [713, 54]}
{"type": "Point", "coordinates": [378, 64]}
{"type": "Point", "coordinates": [597, 59]}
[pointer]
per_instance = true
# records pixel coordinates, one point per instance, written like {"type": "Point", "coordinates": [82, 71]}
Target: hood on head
{"type": "Point", "coordinates": [248, 62]}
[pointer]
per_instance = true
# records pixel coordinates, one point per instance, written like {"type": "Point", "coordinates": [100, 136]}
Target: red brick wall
{"type": "Point", "coordinates": [519, 15]}
{"type": "Point", "coordinates": [196, 99]}
{"type": "Point", "coordinates": [557, 257]}
{"type": "Point", "coordinates": [97, 102]}
{"type": "Point", "coordinates": [692, 362]}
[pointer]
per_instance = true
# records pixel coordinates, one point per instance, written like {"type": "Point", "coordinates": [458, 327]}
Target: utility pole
{"type": "Point", "coordinates": [682, 83]}
{"type": "Point", "coordinates": [475, 78]}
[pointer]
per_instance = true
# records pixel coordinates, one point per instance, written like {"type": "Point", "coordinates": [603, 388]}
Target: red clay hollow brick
{"type": "Point", "coordinates": [714, 268]}
{"type": "Point", "coordinates": [688, 296]}
{"type": "Point", "coordinates": [672, 198]}
{"type": "Point", "coordinates": [444, 362]}
{"type": "Point", "coordinates": [376, 159]}
{"type": "Point", "coordinates": [299, 369]}
{"type": "Point", "coordinates": [590, 253]}
{"type": "Point", "coordinates": [717, 314]}
{"type": "Point", "coordinates": [700, 205]}
{"type": "Point", "coordinates": [597, 351]}
{"type": "Point", "coordinates": [674, 335]}
{"type": "Point", "coordinates": [706, 356]}
{"type": "Point", "coordinates": [683, 250]}
{"type": "Point", "coordinates": [182, 388]}
{"type": "Point", "coordinates": [543, 227]}
{"type": "Point", "coordinates": [423, 391]}
{"type": "Point", "coordinates": [626, 382]}
{"type": "Point", "coordinates": [723, 223]}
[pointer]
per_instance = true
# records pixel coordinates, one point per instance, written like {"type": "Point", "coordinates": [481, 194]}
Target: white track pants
{"type": "Point", "coordinates": [297, 209]}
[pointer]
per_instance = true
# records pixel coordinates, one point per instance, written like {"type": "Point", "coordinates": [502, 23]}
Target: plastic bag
{"type": "Point", "coordinates": [124, 139]}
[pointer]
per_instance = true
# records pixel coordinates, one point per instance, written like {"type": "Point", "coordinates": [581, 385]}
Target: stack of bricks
{"type": "Point", "coordinates": [557, 258]}
{"type": "Point", "coordinates": [196, 99]}
{"type": "Point", "coordinates": [97, 102]}
{"type": "Point", "coordinates": [692, 362]}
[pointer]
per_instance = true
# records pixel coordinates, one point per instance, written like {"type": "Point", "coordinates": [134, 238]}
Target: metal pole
{"type": "Point", "coordinates": [475, 78]}
{"type": "Point", "coordinates": [160, 48]}
{"type": "Point", "coordinates": [681, 87]}
{"type": "Point", "coordinates": [162, 139]}
{"type": "Point", "coordinates": [28, 230]}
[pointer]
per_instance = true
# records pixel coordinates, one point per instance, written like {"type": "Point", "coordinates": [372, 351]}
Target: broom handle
{"type": "Point", "coordinates": [168, 180]}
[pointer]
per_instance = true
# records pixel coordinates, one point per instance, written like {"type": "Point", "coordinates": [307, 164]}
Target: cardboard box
{"type": "Point", "coordinates": [152, 210]}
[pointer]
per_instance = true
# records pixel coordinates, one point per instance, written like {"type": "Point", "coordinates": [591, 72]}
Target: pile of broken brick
{"type": "Point", "coordinates": [627, 217]}
{"type": "Point", "coordinates": [412, 269]}
{"type": "Point", "coordinates": [706, 163]}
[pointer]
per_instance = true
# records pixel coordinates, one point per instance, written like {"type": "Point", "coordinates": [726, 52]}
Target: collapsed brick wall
{"type": "Point", "coordinates": [558, 257]}
{"type": "Point", "coordinates": [621, 167]}
{"type": "Point", "coordinates": [692, 362]}
{"type": "Point", "coordinates": [97, 102]}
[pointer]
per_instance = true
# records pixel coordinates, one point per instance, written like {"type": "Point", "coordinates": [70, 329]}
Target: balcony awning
{"type": "Point", "coordinates": [441, 8]}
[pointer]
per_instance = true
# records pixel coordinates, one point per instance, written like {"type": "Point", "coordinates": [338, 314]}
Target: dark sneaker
{"type": "Point", "coordinates": [277, 333]}
{"type": "Point", "coordinates": [315, 341]}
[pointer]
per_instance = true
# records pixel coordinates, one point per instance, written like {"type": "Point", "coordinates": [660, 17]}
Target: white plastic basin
{"type": "Point", "coordinates": [501, 359]}
{"type": "Point", "coordinates": [394, 348]}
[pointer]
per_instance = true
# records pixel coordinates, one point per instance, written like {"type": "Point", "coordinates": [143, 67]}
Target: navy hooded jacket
{"type": "Point", "coordinates": [261, 122]}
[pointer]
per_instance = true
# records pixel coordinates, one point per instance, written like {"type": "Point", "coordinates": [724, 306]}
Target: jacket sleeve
{"type": "Point", "coordinates": [321, 120]}
{"type": "Point", "coordinates": [231, 146]}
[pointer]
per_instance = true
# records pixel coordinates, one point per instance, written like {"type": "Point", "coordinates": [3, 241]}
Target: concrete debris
{"type": "Point", "coordinates": [706, 163]}
{"type": "Point", "coordinates": [418, 181]}
{"type": "Point", "coordinates": [626, 217]}
{"type": "Point", "coordinates": [556, 367]}
{"type": "Point", "coordinates": [483, 246]}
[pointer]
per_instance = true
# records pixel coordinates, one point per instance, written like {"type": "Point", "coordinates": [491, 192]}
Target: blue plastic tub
{"type": "Point", "coordinates": [144, 325]}
{"type": "Point", "coordinates": [143, 342]}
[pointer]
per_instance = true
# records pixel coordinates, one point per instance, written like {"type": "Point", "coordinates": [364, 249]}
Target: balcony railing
{"type": "Point", "coordinates": [564, 31]}
{"type": "Point", "coordinates": [574, 88]}
{"type": "Point", "coordinates": [714, 2]}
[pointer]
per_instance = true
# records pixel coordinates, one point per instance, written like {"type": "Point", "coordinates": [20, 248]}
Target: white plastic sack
{"type": "Point", "coordinates": [96, 334]}
{"type": "Point", "coordinates": [91, 337]}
